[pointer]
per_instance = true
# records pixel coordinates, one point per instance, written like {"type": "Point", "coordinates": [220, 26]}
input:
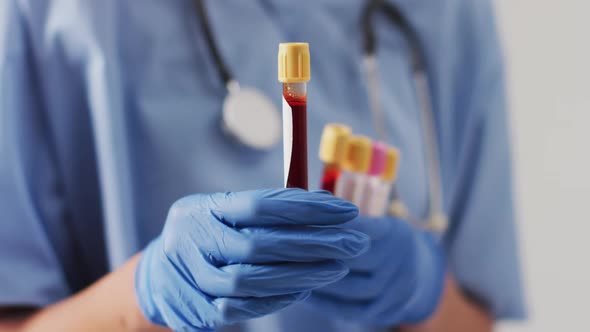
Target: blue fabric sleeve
{"type": "Point", "coordinates": [482, 242]}
{"type": "Point", "coordinates": [30, 272]}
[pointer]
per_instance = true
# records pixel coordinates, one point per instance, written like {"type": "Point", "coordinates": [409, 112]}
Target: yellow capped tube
{"type": "Point", "coordinates": [355, 164]}
{"type": "Point", "coordinates": [357, 157]}
{"type": "Point", "coordinates": [332, 149]}
{"type": "Point", "coordinates": [391, 164]}
{"type": "Point", "coordinates": [294, 72]}
{"type": "Point", "coordinates": [294, 63]}
{"type": "Point", "coordinates": [334, 142]}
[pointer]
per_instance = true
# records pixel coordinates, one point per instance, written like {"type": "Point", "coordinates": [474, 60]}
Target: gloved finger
{"type": "Point", "coordinates": [375, 227]}
{"type": "Point", "coordinates": [383, 254]}
{"type": "Point", "coordinates": [359, 286]}
{"type": "Point", "coordinates": [245, 280]}
{"type": "Point", "coordinates": [390, 240]}
{"type": "Point", "coordinates": [271, 207]}
{"type": "Point", "coordinates": [233, 310]}
{"type": "Point", "coordinates": [299, 244]}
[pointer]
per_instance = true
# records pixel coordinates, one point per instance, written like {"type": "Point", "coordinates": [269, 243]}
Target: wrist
{"type": "Point", "coordinates": [146, 307]}
{"type": "Point", "coordinates": [134, 319]}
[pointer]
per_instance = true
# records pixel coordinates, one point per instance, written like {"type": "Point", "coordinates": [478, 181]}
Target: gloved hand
{"type": "Point", "coordinates": [224, 258]}
{"type": "Point", "coordinates": [398, 281]}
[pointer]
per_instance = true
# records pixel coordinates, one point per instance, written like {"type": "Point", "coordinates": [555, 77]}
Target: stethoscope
{"type": "Point", "coordinates": [250, 117]}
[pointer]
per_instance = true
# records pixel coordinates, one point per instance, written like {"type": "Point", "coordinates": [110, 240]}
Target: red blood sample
{"type": "Point", "coordinates": [329, 178]}
{"type": "Point", "coordinates": [297, 177]}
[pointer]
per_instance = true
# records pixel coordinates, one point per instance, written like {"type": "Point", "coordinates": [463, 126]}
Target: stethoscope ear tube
{"type": "Point", "coordinates": [366, 27]}
{"type": "Point", "coordinates": [396, 17]}
{"type": "Point", "coordinates": [220, 65]}
{"type": "Point", "coordinates": [437, 220]}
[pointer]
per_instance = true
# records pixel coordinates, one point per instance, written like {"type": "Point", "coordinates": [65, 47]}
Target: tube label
{"type": "Point", "coordinates": [287, 138]}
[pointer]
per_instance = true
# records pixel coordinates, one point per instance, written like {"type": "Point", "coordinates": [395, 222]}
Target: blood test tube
{"type": "Point", "coordinates": [332, 149]}
{"type": "Point", "coordinates": [382, 190]}
{"type": "Point", "coordinates": [371, 187]}
{"type": "Point", "coordinates": [355, 163]}
{"type": "Point", "coordinates": [294, 73]}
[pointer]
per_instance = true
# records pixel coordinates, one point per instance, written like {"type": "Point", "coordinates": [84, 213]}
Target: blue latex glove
{"type": "Point", "coordinates": [224, 258]}
{"type": "Point", "coordinates": [398, 281]}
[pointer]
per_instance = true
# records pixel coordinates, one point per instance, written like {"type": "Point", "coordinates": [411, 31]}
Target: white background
{"type": "Point", "coordinates": [547, 44]}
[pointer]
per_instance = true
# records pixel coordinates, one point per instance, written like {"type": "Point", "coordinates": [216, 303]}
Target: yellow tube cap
{"type": "Point", "coordinates": [333, 143]}
{"type": "Point", "coordinates": [294, 64]}
{"type": "Point", "coordinates": [391, 165]}
{"type": "Point", "coordinates": [358, 154]}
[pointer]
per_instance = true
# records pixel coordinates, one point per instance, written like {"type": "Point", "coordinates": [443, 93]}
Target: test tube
{"type": "Point", "coordinates": [294, 73]}
{"type": "Point", "coordinates": [332, 149]}
{"type": "Point", "coordinates": [355, 163]}
{"type": "Point", "coordinates": [371, 187]}
{"type": "Point", "coordinates": [384, 184]}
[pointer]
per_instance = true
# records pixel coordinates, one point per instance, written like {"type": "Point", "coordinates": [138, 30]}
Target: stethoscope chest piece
{"type": "Point", "coordinates": [251, 118]}
{"type": "Point", "coordinates": [248, 116]}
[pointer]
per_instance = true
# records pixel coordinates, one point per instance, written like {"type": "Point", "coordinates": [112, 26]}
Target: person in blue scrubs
{"type": "Point", "coordinates": [111, 153]}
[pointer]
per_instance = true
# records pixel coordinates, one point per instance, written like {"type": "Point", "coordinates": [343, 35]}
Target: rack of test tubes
{"type": "Point", "coordinates": [358, 169]}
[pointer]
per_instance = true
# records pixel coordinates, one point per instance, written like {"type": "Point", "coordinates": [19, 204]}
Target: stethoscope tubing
{"type": "Point", "coordinates": [436, 219]}
{"type": "Point", "coordinates": [222, 68]}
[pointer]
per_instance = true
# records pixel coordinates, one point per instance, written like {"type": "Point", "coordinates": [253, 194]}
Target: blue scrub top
{"type": "Point", "coordinates": [110, 111]}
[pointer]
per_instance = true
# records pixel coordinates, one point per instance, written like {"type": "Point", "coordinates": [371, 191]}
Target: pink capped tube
{"type": "Point", "coordinates": [366, 191]}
